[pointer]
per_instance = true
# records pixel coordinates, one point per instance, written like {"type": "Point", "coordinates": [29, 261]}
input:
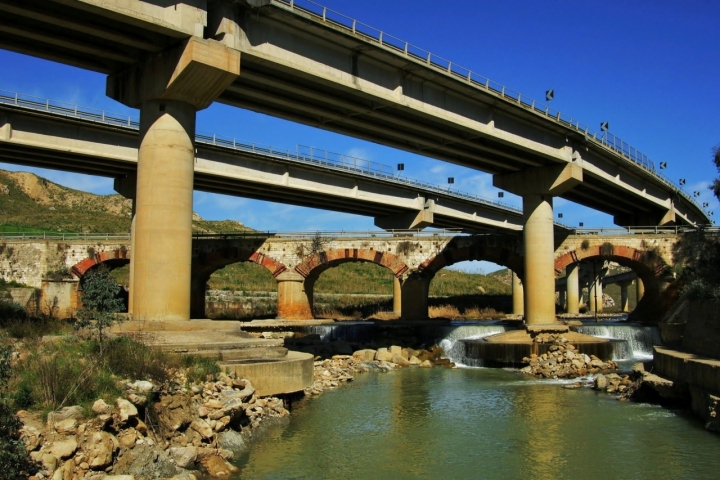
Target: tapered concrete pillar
{"type": "Point", "coordinates": [537, 186]}
{"type": "Point", "coordinates": [168, 88]}
{"type": "Point", "coordinates": [639, 290]}
{"type": "Point", "coordinates": [538, 236]}
{"type": "Point", "coordinates": [397, 297]}
{"type": "Point", "coordinates": [292, 299]}
{"type": "Point", "coordinates": [572, 288]}
{"type": "Point", "coordinates": [414, 297]}
{"type": "Point", "coordinates": [518, 296]}
{"type": "Point", "coordinates": [624, 300]}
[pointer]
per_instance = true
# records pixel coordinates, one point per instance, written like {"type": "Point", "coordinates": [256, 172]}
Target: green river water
{"type": "Point", "coordinates": [479, 423]}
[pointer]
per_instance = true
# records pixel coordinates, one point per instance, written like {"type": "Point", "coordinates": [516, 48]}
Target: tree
{"type": "Point", "coordinates": [15, 462]}
{"type": "Point", "coordinates": [715, 187]}
{"type": "Point", "coordinates": [100, 302]}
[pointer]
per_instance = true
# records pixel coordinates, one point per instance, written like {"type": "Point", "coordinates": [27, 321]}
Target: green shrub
{"type": "Point", "coordinates": [101, 302]}
{"type": "Point", "coordinates": [200, 369]}
{"type": "Point", "coordinates": [128, 358]}
{"type": "Point", "coordinates": [15, 462]}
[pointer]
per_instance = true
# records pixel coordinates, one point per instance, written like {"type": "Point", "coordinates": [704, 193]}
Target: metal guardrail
{"type": "Point", "coordinates": [605, 140]}
{"type": "Point", "coordinates": [336, 234]}
{"type": "Point", "coordinates": [302, 154]}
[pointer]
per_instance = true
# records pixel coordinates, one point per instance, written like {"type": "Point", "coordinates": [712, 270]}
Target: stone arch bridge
{"type": "Point", "coordinates": [55, 266]}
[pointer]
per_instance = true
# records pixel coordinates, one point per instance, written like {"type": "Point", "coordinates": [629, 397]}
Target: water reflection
{"type": "Point", "coordinates": [472, 423]}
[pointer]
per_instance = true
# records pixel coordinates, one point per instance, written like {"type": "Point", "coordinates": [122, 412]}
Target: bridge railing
{"type": "Point", "coordinates": [651, 230]}
{"type": "Point", "coordinates": [603, 139]}
{"type": "Point", "coordinates": [301, 154]}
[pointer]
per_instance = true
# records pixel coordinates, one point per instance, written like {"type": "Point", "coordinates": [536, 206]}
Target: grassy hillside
{"type": "Point", "coordinates": [32, 204]}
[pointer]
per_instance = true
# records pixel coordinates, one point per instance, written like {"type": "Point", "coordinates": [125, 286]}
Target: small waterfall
{"type": "Point", "coordinates": [633, 342]}
{"type": "Point", "coordinates": [455, 349]}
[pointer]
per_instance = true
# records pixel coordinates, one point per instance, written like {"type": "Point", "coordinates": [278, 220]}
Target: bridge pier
{"type": "Point", "coordinates": [397, 297]}
{"type": "Point", "coordinates": [293, 299]}
{"type": "Point", "coordinates": [624, 301]}
{"type": "Point", "coordinates": [169, 88]}
{"type": "Point", "coordinates": [595, 288]}
{"type": "Point", "coordinates": [518, 296]}
{"type": "Point", "coordinates": [639, 290]}
{"type": "Point", "coordinates": [572, 288]}
{"type": "Point", "coordinates": [414, 295]}
{"type": "Point", "coordinates": [537, 186]}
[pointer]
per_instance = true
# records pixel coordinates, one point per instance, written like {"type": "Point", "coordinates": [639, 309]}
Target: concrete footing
{"type": "Point", "coordinates": [275, 376]}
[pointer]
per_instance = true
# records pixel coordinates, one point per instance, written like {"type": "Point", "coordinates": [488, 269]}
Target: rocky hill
{"type": "Point", "coordinates": [30, 203]}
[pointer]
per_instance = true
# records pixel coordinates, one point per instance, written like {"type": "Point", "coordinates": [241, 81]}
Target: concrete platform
{"type": "Point", "coordinates": [695, 370]}
{"type": "Point", "coordinates": [292, 373]}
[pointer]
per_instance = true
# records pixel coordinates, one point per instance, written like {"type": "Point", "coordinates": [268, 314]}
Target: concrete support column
{"type": "Point", "coordinates": [414, 297]}
{"type": "Point", "coordinates": [537, 186]}
{"type": "Point", "coordinates": [518, 296]}
{"type": "Point", "coordinates": [168, 87]}
{"type": "Point", "coordinates": [561, 299]}
{"type": "Point", "coordinates": [292, 299]}
{"type": "Point", "coordinates": [572, 286]}
{"type": "Point", "coordinates": [162, 238]}
{"type": "Point", "coordinates": [538, 237]}
{"type": "Point", "coordinates": [624, 301]}
{"type": "Point", "coordinates": [127, 187]}
{"type": "Point", "coordinates": [595, 294]}
{"type": "Point", "coordinates": [397, 297]}
{"type": "Point", "coordinates": [639, 290]}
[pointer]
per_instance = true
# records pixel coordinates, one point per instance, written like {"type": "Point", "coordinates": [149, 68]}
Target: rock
{"type": "Point", "coordinates": [99, 449]}
{"type": "Point", "coordinates": [213, 404]}
{"type": "Point", "coordinates": [400, 360]}
{"type": "Point", "coordinates": [202, 427]}
{"type": "Point", "coordinates": [217, 467]}
{"type": "Point", "coordinates": [405, 352]}
{"type": "Point", "coordinates": [414, 360]}
{"type": "Point", "coordinates": [184, 457]}
{"type": "Point", "coordinates": [119, 477]}
{"type": "Point", "coordinates": [49, 462]}
{"type": "Point", "coordinates": [67, 426]}
{"type": "Point", "coordinates": [174, 412]}
{"type": "Point", "coordinates": [75, 411]}
{"type": "Point", "coordinates": [30, 436]}
{"type": "Point", "coordinates": [142, 386]}
{"type": "Point", "coordinates": [127, 438]}
{"type": "Point", "coordinates": [101, 408]}
{"type": "Point", "coordinates": [202, 412]}
{"type": "Point", "coordinates": [383, 354]}
{"type": "Point", "coordinates": [601, 382]}
{"type": "Point", "coordinates": [127, 410]}
{"type": "Point", "coordinates": [137, 400]}
{"type": "Point", "coordinates": [366, 355]}
{"type": "Point", "coordinates": [232, 441]}
{"type": "Point", "coordinates": [597, 364]}
{"type": "Point", "coordinates": [63, 449]}
{"type": "Point", "coordinates": [426, 364]}
{"type": "Point", "coordinates": [145, 462]}
{"type": "Point", "coordinates": [395, 350]}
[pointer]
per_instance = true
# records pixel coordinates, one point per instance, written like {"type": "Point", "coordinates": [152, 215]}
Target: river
{"type": "Point", "coordinates": [479, 423]}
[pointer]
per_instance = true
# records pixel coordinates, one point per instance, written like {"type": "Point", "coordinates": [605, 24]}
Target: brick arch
{"type": "Point", "coordinates": [646, 263]}
{"type": "Point", "coordinates": [501, 256]}
{"type": "Point", "coordinates": [118, 256]}
{"type": "Point", "coordinates": [314, 264]}
{"type": "Point", "coordinates": [207, 263]}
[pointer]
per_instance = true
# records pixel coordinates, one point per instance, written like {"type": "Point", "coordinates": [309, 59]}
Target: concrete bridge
{"type": "Point", "coordinates": [297, 260]}
{"type": "Point", "coordinates": [171, 59]}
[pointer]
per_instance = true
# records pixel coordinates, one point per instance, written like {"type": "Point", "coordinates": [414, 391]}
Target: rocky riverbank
{"type": "Point", "coordinates": [564, 360]}
{"type": "Point", "coordinates": [188, 432]}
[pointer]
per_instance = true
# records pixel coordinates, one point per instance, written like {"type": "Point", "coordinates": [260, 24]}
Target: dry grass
{"type": "Point", "coordinates": [474, 313]}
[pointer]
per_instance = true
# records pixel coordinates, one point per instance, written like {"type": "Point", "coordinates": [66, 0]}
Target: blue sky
{"type": "Point", "coordinates": [649, 67]}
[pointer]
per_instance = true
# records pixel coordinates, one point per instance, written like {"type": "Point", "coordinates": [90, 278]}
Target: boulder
{"type": "Point", "coordinates": [400, 360]}
{"type": "Point", "coordinates": [601, 382]}
{"type": "Point", "coordinates": [101, 408]}
{"type": "Point", "coordinates": [75, 411]}
{"type": "Point", "coordinates": [49, 462]}
{"type": "Point", "coordinates": [426, 364]}
{"type": "Point", "coordinates": [99, 449]}
{"type": "Point", "coordinates": [137, 400]}
{"type": "Point", "coordinates": [142, 386]}
{"type": "Point", "coordinates": [126, 410]}
{"type": "Point", "coordinates": [67, 426]}
{"type": "Point", "coordinates": [63, 449]}
{"type": "Point", "coordinates": [174, 412]}
{"type": "Point", "coordinates": [184, 457]}
{"type": "Point", "coordinates": [217, 467]}
{"type": "Point", "coordinates": [366, 355]}
{"type": "Point", "coordinates": [414, 360]}
{"type": "Point", "coordinates": [202, 427]}
{"type": "Point", "coordinates": [395, 350]}
{"type": "Point", "coordinates": [30, 436]}
{"type": "Point", "coordinates": [232, 441]}
{"type": "Point", "coordinates": [384, 355]}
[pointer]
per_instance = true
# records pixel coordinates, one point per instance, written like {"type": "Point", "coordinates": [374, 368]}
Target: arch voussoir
{"type": "Point", "coordinates": [336, 256]}
{"type": "Point", "coordinates": [81, 268]}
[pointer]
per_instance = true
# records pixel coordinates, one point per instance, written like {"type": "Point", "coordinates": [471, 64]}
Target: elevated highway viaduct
{"type": "Point", "coordinates": [170, 59]}
{"type": "Point", "coordinates": [297, 260]}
